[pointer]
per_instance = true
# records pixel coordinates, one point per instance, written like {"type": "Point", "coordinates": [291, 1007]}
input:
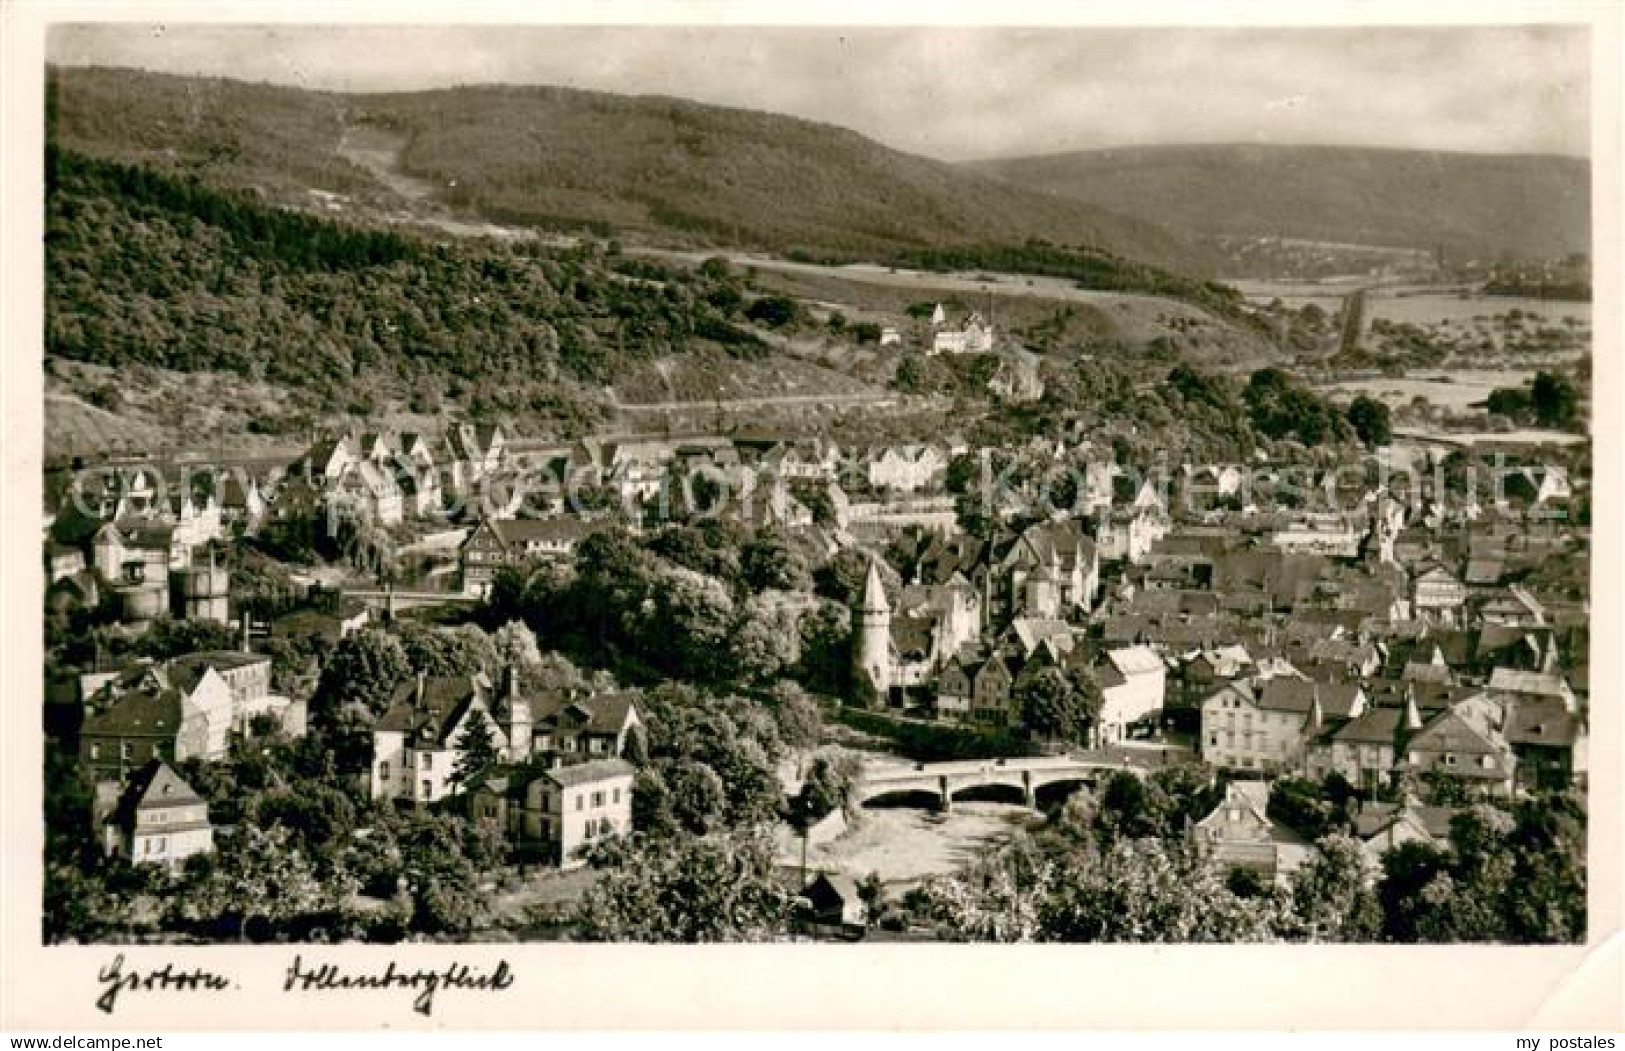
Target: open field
{"type": "Point", "coordinates": [1457, 391]}
{"type": "Point", "coordinates": [1432, 308]}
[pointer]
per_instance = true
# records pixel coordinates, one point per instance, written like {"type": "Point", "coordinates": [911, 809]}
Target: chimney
{"type": "Point", "coordinates": [510, 681]}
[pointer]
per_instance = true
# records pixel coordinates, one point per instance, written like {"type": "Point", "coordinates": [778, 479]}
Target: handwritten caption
{"type": "Point", "coordinates": [119, 978]}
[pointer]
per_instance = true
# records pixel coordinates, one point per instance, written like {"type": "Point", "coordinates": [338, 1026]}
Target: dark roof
{"type": "Point", "coordinates": [140, 713]}
{"type": "Point", "coordinates": [1549, 724]}
{"type": "Point", "coordinates": [1376, 817]}
{"type": "Point", "coordinates": [523, 530]}
{"type": "Point", "coordinates": [587, 773]}
{"type": "Point", "coordinates": [154, 786]}
{"type": "Point", "coordinates": [436, 713]}
{"type": "Point", "coordinates": [1375, 726]}
{"type": "Point", "coordinates": [911, 634]}
{"type": "Point", "coordinates": [1449, 731]}
{"type": "Point", "coordinates": [1285, 693]}
{"type": "Point", "coordinates": [604, 713]}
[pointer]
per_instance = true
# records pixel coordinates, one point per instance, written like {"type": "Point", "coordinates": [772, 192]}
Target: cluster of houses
{"type": "Point", "coordinates": [558, 780]}
{"type": "Point", "coordinates": [1403, 636]}
{"type": "Point", "coordinates": [140, 719]}
{"type": "Point", "coordinates": [762, 481]}
{"type": "Point", "coordinates": [1412, 648]}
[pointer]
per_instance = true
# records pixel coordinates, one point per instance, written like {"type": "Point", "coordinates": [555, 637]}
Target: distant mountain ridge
{"type": "Point", "coordinates": [563, 158]}
{"type": "Point", "coordinates": [1527, 206]}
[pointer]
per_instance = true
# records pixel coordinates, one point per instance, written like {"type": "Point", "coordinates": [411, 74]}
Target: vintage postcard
{"type": "Point", "coordinates": [650, 521]}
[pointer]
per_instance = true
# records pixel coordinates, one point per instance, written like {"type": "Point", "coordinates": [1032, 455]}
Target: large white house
{"type": "Point", "coordinates": [1132, 681]}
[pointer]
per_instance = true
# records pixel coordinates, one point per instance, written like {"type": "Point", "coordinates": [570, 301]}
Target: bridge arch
{"type": "Point", "coordinates": [989, 791]}
{"type": "Point", "coordinates": [1055, 792]}
{"type": "Point", "coordinates": [904, 799]}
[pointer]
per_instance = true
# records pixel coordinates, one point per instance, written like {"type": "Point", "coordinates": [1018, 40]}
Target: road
{"type": "Point", "coordinates": [876, 398]}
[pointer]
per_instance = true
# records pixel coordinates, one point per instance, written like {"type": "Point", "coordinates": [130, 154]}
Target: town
{"type": "Point", "coordinates": [508, 512]}
{"type": "Point", "coordinates": [524, 653]}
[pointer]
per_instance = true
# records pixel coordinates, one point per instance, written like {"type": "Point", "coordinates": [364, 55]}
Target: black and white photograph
{"type": "Point", "coordinates": [822, 486]}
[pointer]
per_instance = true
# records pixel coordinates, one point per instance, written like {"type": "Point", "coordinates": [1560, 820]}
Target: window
{"type": "Point", "coordinates": [579, 801]}
{"type": "Point", "coordinates": [160, 844]}
{"type": "Point", "coordinates": [383, 771]}
{"type": "Point", "coordinates": [425, 760]}
{"type": "Point", "coordinates": [428, 788]}
{"type": "Point", "coordinates": [597, 799]}
{"type": "Point", "coordinates": [126, 750]}
{"type": "Point", "coordinates": [617, 795]}
{"type": "Point", "coordinates": [1449, 759]}
{"type": "Point", "coordinates": [95, 751]}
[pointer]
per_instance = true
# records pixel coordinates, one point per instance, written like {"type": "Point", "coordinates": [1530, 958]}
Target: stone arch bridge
{"type": "Point", "coordinates": [1026, 775]}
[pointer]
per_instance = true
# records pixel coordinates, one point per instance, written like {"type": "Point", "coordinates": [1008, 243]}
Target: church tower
{"type": "Point", "coordinates": [871, 635]}
{"type": "Point", "coordinates": [1387, 519]}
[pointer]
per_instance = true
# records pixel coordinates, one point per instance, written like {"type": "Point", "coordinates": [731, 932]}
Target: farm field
{"type": "Point", "coordinates": [1432, 308]}
{"type": "Point", "coordinates": [1456, 392]}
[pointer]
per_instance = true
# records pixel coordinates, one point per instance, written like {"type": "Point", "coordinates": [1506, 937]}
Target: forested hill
{"type": "Point", "coordinates": [560, 158]}
{"type": "Point", "coordinates": [1483, 205]}
{"type": "Point", "coordinates": [144, 268]}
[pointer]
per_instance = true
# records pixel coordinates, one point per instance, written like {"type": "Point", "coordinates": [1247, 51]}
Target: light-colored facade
{"type": "Point", "coordinates": [159, 819]}
{"type": "Point", "coordinates": [1134, 690]}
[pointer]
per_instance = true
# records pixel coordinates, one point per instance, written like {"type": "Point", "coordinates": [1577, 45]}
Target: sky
{"type": "Point", "coordinates": [962, 93]}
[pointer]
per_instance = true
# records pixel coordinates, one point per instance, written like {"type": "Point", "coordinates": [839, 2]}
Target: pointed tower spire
{"type": "Point", "coordinates": [1413, 715]}
{"type": "Point", "coordinates": [874, 591]}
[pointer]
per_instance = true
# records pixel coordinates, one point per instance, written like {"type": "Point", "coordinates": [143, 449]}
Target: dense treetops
{"type": "Point", "coordinates": [149, 269]}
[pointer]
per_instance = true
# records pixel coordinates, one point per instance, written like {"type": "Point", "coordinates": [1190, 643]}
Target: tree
{"type": "Point", "coordinates": [1511, 402]}
{"type": "Point", "coordinates": [441, 857]}
{"type": "Point", "coordinates": [362, 671]}
{"type": "Point", "coordinates": [1372, 421]}
{"type": "Point", "coordinates": [765, 643]}
{"type": "Point", "coordinates": [796, 714]}
{"type": "Point", "coordinates": [167, 639]}
{"type": "Point", "coordinates": [826, 648]}
{"type": "Point", "coordinates": [912, 375]}
{"type": "Point", "coordinates": [442, 652]}
{"type": "Point", "coordinates": [636, 749]}
{"type": "Point", "coordinates": [1331, 900]}
{"type": "Point", "coordinates": [476, 752]}
{"type": "Point", "coordinates": [698, 797]}
{"type": "Point", "coordinates": [828, 786]}
{"type": "Point", "coordinates": [514, 645]}
{"type": "Point", "coordinates": [771, 562]}
{"type": "Point", "coordinates": [1057, 706]}
{"type": "Point", "coordinates": [713, 888]}
{"type": "Point", "coordinates": [1297, 803]}
{"type": "Point", "coordinates": [774, 311]}
{"type": "Point", "coordinates": [1554, 399]}
{"type": "Point", "coordinates": [261, 882]}
{"type": "Point", "coordinates": [716, 268]}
